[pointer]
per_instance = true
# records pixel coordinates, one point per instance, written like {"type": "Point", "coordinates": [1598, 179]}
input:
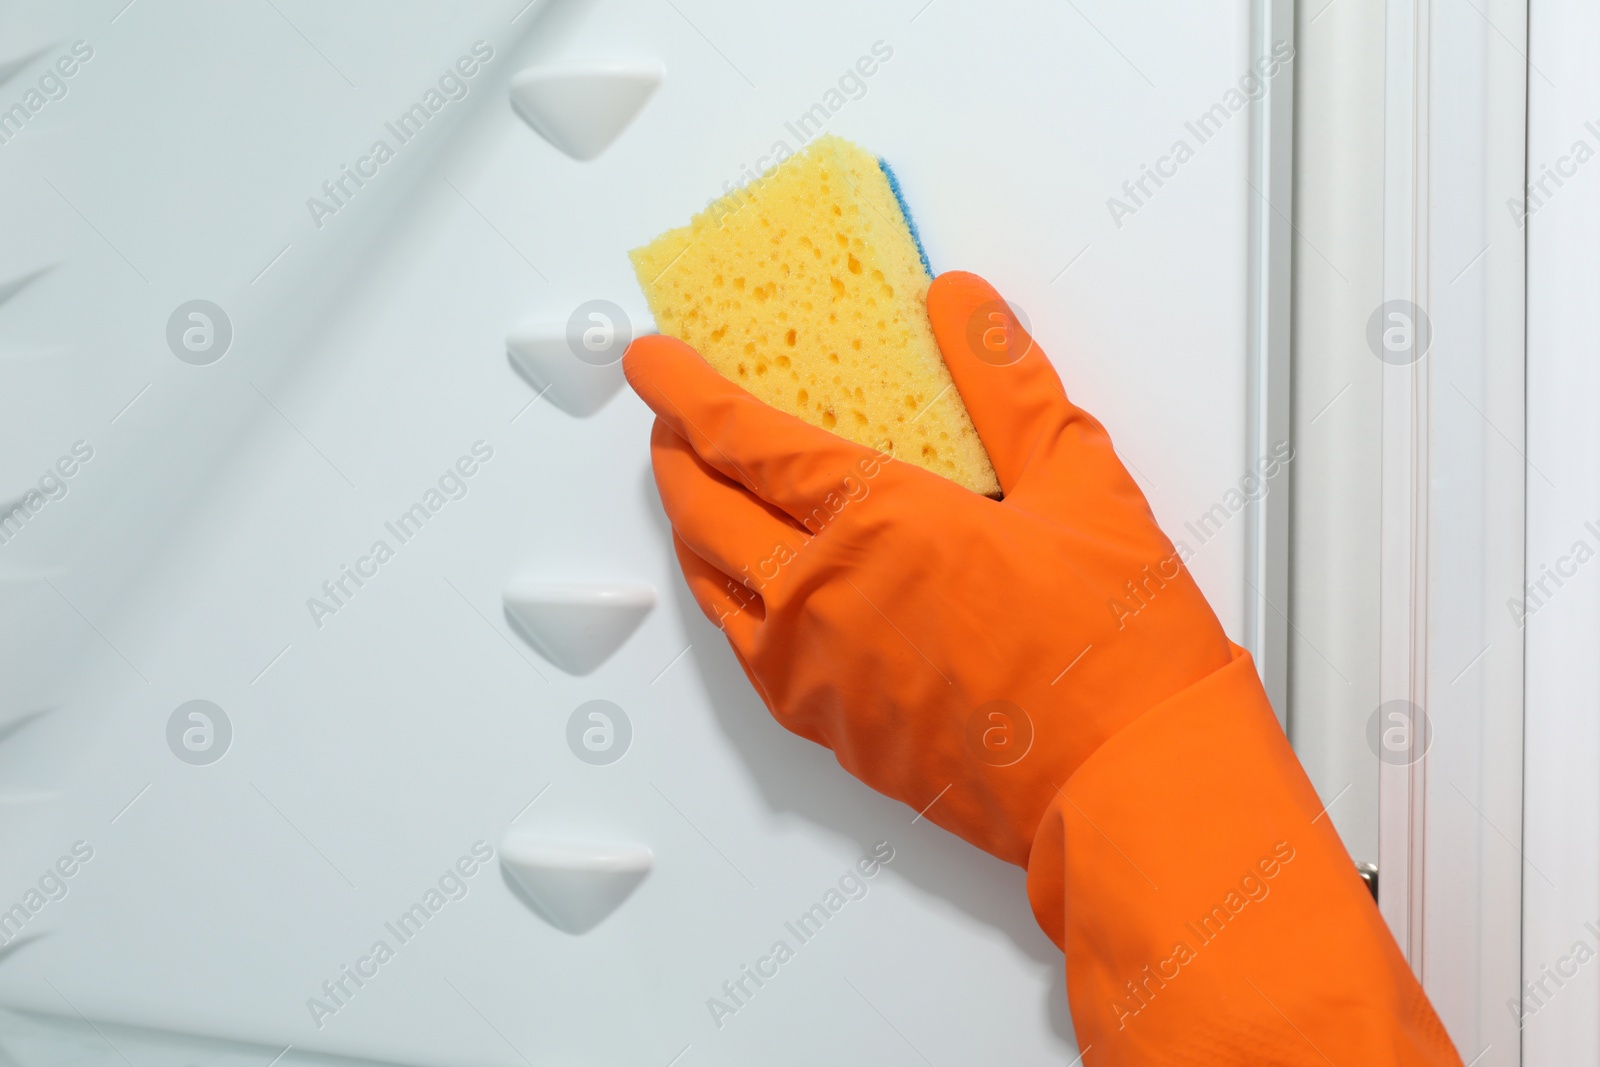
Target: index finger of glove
{"type": "Point", "coordinates": [784, 461]}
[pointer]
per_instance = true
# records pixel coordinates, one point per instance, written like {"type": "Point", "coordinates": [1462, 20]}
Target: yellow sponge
{"type": "Point", "coordinates": [808, 288]}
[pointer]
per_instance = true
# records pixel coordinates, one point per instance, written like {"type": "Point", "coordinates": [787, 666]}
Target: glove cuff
{"type": "Point", "coordinates": [1202, 897]}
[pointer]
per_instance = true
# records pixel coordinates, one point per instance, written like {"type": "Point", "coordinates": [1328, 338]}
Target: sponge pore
{"type": "Point", "coordinates": [808, 288]}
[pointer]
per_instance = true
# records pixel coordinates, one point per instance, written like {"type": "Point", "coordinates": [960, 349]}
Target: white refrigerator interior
{"type": "Point", "coordinates": [285, 282]}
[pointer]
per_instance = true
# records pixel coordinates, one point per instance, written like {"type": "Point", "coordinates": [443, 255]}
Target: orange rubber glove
{"type": "Point", "coordinates": [1041, 676]}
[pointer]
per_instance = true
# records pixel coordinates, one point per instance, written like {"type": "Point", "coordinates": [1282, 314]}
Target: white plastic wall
{"type": "Point", "coordinates": [370, 749]}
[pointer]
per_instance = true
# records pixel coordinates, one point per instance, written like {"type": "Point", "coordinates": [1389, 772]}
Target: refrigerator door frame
{"type": "Point", "coordinates": [1453, 480]}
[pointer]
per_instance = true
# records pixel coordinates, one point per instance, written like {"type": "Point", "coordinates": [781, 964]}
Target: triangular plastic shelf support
{"type": "Point", "coordinates": [576, 627]}
{"type": "Point", "coordinates": [541, 353]}
{"type": "Point", "coordinates": [582, 109]}
{"type": "Point", "coordinates": [574, 884]}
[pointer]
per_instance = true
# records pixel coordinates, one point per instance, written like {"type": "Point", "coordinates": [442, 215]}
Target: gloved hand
{"type": "Point", "coordinates": [968, 656]}
{"type": "Point", "coordinates": [957, 653]}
